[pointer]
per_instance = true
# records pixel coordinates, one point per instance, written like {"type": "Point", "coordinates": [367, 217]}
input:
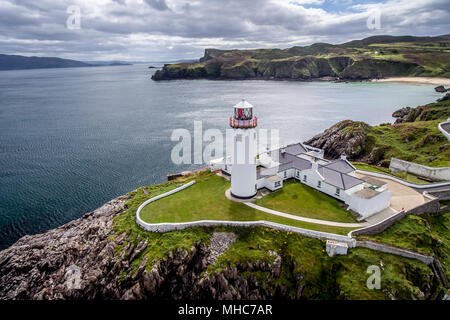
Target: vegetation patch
{"type": "Point", "coordinates": [426, 234]}
{"type": "Point", "coordinates": [299, 199]}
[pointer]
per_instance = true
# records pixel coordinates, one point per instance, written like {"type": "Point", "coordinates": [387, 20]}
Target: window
{"type": "Point", "coordinates": [256, 187]}
{"type": "Point", "coordinates": [297, 174]}
{"type": "Point", "coordinates": [319, 184]}
{"type": "Point", "coordinates": [239, 137]}
{"type": "Point", "coordinates": [304, 178]}
{"type": "Point", "coordinates": [226, 167]}
{"type": "Point", "coordinates": [285, 174]}
{"type": "Point", "coordinates": [338, 192]}
{"type": "Point", "coordinates": [277, 184]}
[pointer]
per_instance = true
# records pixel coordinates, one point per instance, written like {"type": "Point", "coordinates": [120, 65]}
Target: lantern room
{"type": "Point", "coordinates": [243, 116]}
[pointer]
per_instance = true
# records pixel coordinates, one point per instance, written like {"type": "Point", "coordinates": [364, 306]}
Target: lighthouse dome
{"type": "Point", "coordinates": [243, 104]}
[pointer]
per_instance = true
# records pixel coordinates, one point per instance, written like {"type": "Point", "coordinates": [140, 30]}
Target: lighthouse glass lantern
{"type": "Point", "coordinates": [244, 149]}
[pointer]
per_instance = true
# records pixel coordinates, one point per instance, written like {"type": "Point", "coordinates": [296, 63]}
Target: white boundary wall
{"type": "Point", "coordinates": [420, 170]}
{"type": "Point", "coordinates": [404, 182]}
{"type": "Point", "coordinates": [166, 227]}
{"type": "Point", "coordinates": [445, 133]}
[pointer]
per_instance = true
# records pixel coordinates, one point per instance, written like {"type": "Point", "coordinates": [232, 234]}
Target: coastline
{"type": "Point", "coordinates": [416, 80]}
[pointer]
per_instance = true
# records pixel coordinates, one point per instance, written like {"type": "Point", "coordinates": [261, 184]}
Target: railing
{"type": "Point", "coordinates": [251, 123]}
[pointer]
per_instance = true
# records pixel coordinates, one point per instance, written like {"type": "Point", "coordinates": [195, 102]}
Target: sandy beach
{"type": "Point", "coordinates": [417, 80]}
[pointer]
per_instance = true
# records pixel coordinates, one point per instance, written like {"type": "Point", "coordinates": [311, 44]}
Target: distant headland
{"type": "Point", "coordinates": [370, 58]}
{"type": "Point", "coordinates": [17, 62]}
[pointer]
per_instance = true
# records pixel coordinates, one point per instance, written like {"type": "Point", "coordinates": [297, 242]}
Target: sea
{"type": "Point", "coordinates": [72, 139]}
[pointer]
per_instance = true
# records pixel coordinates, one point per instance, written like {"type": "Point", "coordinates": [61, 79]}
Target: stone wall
{"type": "Point", "coordinates": [166, 227]}
{"type": "Point", "coordinates": [432, 206]}
{"type": "Point", "coordinates": [381, 226]}
{"type": "Point", "coordinates": [432, 262]}
{"type": "Point", "coordinates": [404, 182]}
{"type": "Point", "coordinates": [394, 250]}
{"type": "Point", "coordinates": [397, 165]}
{"type": "Point", "coordinates": [442, 194]}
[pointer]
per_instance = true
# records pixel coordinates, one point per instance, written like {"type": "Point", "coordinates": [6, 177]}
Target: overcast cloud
{"type": "Point", "coordinates": [157, 30]}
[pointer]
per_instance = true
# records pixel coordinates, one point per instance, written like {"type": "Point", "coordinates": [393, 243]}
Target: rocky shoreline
{"type": "Point", "coordinates": [79, 261]}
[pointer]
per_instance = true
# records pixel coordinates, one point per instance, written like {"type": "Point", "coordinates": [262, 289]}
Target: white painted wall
{"type": "Point", "coordinates": [367, 207]}
{"type": "Point", "coordinates": [420, 170]}
{"type": "Point", "coordinates": [243, 159]}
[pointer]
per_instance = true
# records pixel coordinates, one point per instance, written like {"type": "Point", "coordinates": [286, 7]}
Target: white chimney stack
{"type": "Point", "coordinates": [343, 156]}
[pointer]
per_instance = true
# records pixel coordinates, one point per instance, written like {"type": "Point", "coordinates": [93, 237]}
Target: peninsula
{"type": "Point", "coordinates": [370, 58]}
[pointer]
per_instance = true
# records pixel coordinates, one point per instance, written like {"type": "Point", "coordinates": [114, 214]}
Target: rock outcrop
{"type": "Point", "coordinates": [345, 137]}
{"type": "Point", "coordinates": [440, 89]}
{"type": "Point", "coordinates": [444, 98]}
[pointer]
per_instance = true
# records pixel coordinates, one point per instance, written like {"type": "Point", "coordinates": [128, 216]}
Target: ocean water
{"type": "Point", "coordinates": [72, 139]}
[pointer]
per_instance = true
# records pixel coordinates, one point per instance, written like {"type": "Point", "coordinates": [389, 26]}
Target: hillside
{"type": "Point", "coordinates": [16, 62]}
{"type": "Point", "coordinates": [374, 57]}
{"type": "Point", "coordinates": [413, 137]}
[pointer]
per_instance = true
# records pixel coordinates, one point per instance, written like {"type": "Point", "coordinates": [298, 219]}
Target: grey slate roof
{"type": "Point", "coordinates": [338, 179]}
{"type": "Point", "coordinates": [334, 173]}
{"type": "Point", "coordinates": [295, 149]}
{"type": "Point", "coordinates": [341, 166]}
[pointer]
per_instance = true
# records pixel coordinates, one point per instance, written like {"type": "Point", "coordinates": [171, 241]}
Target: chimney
{"type": "Point", "coordinates": [314, 164]}
{"type": "Point", "coordinates": [343, 156]}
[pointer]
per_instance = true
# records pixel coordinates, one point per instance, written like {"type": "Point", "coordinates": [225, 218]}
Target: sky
{"type": "Point", "coordinates": [165, 30]}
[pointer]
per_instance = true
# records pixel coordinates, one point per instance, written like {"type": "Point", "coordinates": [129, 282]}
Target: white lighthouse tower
{"type": "Point", "coordinates": [243, 153]}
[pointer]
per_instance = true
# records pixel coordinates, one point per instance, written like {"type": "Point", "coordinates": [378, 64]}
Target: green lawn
{"type": "Point", "coordinates": [402, 175]}
{"type": "Point", "coordinates": [302, 200]}
{"type": "Point", "coordinates": [206, 200]}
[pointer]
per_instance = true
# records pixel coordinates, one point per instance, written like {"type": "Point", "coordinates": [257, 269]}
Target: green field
{"type": "Point", "coordinates": [206, 200]}
{"type": "Point", "coordinates": [302, 200]}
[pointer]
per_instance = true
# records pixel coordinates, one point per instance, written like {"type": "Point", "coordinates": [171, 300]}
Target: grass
{"type": "Point", "coordinates": [418, 141]}
{"type": "Point", "coordinates": [206, 200]}
{"type": "Point", "coordinates": [427, 234]}
{"type": "Point", "coordinates": [299, 199]}
{"type": "Point", "coordinates": [402, 175]}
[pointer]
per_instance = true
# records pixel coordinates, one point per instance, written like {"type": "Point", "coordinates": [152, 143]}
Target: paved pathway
{"type": "Point", "coordinates": [403, 197]}
{"type": "Point", "coordinates": [317, 221]}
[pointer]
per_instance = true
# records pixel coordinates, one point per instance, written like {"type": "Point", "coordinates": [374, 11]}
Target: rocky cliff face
{"type": "Point", "coordinates": [345, 137]}
{"type": "Point", "coordinates": [80, 261]}
{"type": "Point", "coordinates": [355, 60]}
{"type": "Point", "coordinates": [296, 68]}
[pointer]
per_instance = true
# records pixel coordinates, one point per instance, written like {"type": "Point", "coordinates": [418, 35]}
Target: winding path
{"type": "Point", "coordinates": [310, 220]}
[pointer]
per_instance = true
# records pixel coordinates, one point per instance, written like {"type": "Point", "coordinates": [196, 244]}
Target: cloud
{"type": "Point", "coordinates": [146, 29]}
{"type": "Point", "coordinates": [160, 5]}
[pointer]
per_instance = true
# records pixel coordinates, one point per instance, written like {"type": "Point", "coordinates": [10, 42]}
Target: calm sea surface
{"type": "Point", "coordinates": [72, 139]}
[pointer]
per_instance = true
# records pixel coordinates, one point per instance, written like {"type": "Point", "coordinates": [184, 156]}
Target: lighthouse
{"type": "Point", "coordinates": [244, 149]}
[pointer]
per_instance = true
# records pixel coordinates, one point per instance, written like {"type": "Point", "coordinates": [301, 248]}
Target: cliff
{"type": "Point", "coordinates": [413, 137]}
{"type": "Point", "coordinates": [374, 57]}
